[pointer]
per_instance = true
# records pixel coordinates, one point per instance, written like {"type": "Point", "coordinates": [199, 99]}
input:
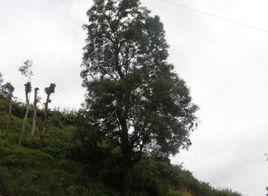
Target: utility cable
{"type": "Point", "coordinates": [215, 16]}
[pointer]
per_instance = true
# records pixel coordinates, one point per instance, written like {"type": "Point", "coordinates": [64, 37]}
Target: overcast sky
{"type": "Point", "coordinates": [224, 64]}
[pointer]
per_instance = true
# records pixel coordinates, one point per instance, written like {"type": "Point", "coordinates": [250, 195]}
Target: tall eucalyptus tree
{"type": "Point", "coordinates": [26, 70]}
{"type": "Point", "coordinates": [36, 100]}
{"type": "Point", "coordinates": [8, 90]}
{"type": "Point", "coordinates": [49, 91]}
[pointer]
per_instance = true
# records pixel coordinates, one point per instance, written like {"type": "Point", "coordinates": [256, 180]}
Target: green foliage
{"type": "Point", "coordinates": [3, 103]}
{"type": "Point", "coordinates": [28, 87]}
{"type": "Point", "coordinates": [7, 89]}
{"type": "Point", "coordinates": [175, 193]}
{"type": "Point", "coordinates": [26, 69]}
{"type": "Point", "coordinates": [135, 99]}
{"type": "Point", "coordinates": [51, 89]}
{"type": "Point", "coordinates": [15, 126]}
{"type": "Point", "coordinates": [59, 118]}
{"type": "Point", "coordinates": [75, 160]}
{"type": "Point", "coordinates": [159, 177]}
{"type": "Point", "coordinates": [25, 171]}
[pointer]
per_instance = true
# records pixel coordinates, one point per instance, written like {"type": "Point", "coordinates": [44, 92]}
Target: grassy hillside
{"type": "Point", "coordinates": [59, 165]}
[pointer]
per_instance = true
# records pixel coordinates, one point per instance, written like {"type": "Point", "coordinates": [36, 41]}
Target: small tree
{"type": "Point", "coordinates": [26, 70]}
{"type": "Point", "coordinates": [8, 91]}
{"type": "Point", "coordinates": [48, 90]}
{"type": "Point", "coordinates": [36, 100]}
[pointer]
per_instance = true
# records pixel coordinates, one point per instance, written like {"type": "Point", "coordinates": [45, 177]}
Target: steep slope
{"type": "Point", "coordinates": [55, 164]}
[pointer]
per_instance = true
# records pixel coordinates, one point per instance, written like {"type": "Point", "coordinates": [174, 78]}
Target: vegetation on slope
{"type": "Point", "coordinates": [61, 165]}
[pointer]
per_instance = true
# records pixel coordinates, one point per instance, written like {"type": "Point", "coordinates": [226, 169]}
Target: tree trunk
{"type": "Point", "coordinates": [9, 115]}
{"type": "Point", "coordinates": [127, 180]}
{"type": "Point", "coordinates": [34, 115]}
{"type": "Point", "coordinates": [24, 120]}
{"type": "Point", "coordinates": [45, 116]}
{"type": "Point", "coordinates": [127, 164]}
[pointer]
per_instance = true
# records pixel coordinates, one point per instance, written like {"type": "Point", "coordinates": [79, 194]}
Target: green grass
{"type": "Point", "coordinates": [42, 168]}
{"type": "Point", "coordinates": [25, 171]}
{"type": "Point", "coordinates": [50, 167]}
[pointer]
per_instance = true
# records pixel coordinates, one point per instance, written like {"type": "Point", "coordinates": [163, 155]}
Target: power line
{"type": "Point", "coordinates": [215, 16]}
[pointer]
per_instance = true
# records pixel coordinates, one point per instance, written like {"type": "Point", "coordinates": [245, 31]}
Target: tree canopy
{"type": "Point", "coordinates": [26, 69]}
{"type": "Point", "coordinates": [8, 89]}
{"type": "Point", "coordinates": [135, 98]}
{"type": "Point", "coordinates": [50, 89]}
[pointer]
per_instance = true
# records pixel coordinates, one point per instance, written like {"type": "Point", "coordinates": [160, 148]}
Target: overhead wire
{"type": "Point", "coordinates": [214, 15]}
